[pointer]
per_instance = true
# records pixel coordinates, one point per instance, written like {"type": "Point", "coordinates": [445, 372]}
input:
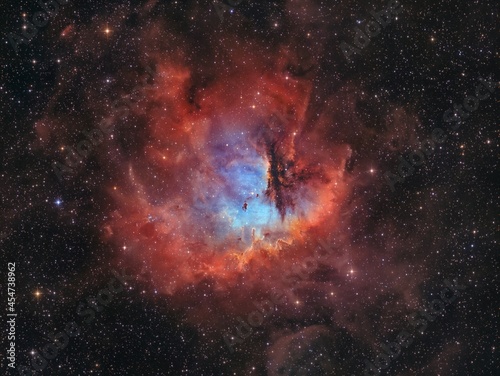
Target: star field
{"type": "Point", "coordinates": [245, 187]}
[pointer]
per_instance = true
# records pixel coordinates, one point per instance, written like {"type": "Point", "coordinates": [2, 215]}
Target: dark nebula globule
{"type": "Point", "coordinates": [268, 188]}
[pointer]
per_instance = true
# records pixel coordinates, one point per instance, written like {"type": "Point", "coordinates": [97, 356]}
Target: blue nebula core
{"type": "Point", "coordinates": [247, 179]}
{"type": "Point", "coordinates": [241, 178]}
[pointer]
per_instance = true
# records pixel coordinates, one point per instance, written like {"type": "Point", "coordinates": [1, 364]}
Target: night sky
{"type": "Point", "coordinates": [290, 187]}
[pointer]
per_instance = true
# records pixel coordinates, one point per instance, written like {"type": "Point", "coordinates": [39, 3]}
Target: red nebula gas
{"type": "Point", "coordinates": [228, 178]}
